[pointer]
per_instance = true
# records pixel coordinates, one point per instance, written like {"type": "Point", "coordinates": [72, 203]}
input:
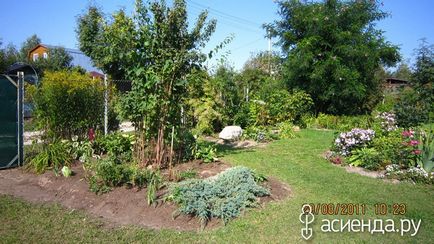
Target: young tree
{"type": "Point", "coordinates": [424, 67]}
{"type": "Point", "coordinates": [403, 72]}
{"type": "Point", "coordinates": [333, 51]}
{"type": "Point", "coordinates": [58, 59]}
{"type": "Point", "coordinates": [8, 56]}
{"type": "Point", "coordinates": [158, 51]}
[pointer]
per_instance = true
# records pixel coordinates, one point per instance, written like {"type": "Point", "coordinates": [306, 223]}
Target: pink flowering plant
{"type": "Point", "coordinates": [356, 138]}
{"type": "Point", "coordinates": [410, 152]}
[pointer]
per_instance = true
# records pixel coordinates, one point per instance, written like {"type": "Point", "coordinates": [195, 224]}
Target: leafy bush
{"type": "Point", "coordinates": [106, 173]}
{"type": "Point", "coordinates": [116, 145]}
{"type": "Point", "coordinates": [342, 123]}
{"type": "Point", "coordinates": [410, 109]}
{"type": "Point", "coordinates": [286, 130]}
{"type": "Point", "coordinates": [387, 121]}
{"type": "Point", "coordinates": [224, 196]}
{"type": "Point", "coordinates": [80, 150]}
{"type": "Point", "coordinates": [389, 145]}
{"type": "Point", "coordinates": [69, 103]}
{"type": "Point", "coordinates": [54, 155]}
{"type": "Point", "coordinates": [259, 134]}
{"type": "Point", "coordinates": [368, 158]}
{"type": "Point", "coordinates": [285, 106]}
{"type": "Point", "coordinates": [206, 152]}
{"type": "Point", "coordinates": [413, 174]}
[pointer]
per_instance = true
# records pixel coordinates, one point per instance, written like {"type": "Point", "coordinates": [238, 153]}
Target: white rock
{"type": "Point", "coordinates": [231, 133]}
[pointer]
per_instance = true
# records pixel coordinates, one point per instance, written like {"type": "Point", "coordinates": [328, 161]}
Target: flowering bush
{"type": "Point", "coordinates": [355, 138]}
{"type": "Point", "coordinates": [410, 151]}
{"type": "Point", "coordinates": [415, 174]}
{"type": "Point", "coordinates": [387, 121]}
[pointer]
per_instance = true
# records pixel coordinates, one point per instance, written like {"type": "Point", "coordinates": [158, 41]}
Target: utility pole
{"type": "Point", "coordinates": [105, 105]}
{"type": "Point", "coordinates": [269, 51]}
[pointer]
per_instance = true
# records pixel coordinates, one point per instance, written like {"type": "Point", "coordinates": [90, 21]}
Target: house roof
{"type": "Point", "coordinates": [78, 57]}
{"type": "Point", "coordinates": [392, 80]}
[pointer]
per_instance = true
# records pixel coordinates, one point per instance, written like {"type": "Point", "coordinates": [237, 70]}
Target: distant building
{"type": "Point", "coordinates": [394, 85]}
{"type": "Point", "coordinates": [78, 58]}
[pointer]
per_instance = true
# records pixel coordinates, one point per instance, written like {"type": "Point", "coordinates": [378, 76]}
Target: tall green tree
{"type": "Point", "coordinates": [403, 72]}
{"type": "Point", "coordinates": [158, 50]}
{"type": "Point", "coordinates": [107, 42]}
{"type": "Point", "coordinates": [332, 51]}
{"type": "Point", "coordinates": [58, 59]}
{"type": "Point", "coordinates": [424, 67]}
{"type": "Point", "coordinates": [8, 56]}
{"type": "Point", "coordinates": [31, 42]}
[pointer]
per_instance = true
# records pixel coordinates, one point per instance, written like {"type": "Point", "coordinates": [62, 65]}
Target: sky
{"type": "Point", "coordinates": [54, 22]}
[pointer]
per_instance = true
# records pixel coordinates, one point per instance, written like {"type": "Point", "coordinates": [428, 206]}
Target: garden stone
{"type": "Point", "coordinates": [231, 133]}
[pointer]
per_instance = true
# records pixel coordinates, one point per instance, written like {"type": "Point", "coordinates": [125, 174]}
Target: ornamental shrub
{"type": "Point", "coordinates": [356, 138]}
{"type": "Point", "coordinates": [69, 103]}
{"type": "Point", "coordinates": [223, 196]}
{"type": "Point", "coordinates": [410, 109]}
{"type": "Point", "coordinates": [342, 123]}
{"type": "Point", "coordinates": [387, 121]}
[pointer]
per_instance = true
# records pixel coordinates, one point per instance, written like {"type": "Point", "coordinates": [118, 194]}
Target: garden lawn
{"type": "Point", "coordinates": [297, 162]}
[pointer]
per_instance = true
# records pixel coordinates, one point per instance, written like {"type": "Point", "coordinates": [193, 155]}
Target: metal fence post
{"type": "Point", "coordinates": [105, 105]}
{"type": "Point", "coordinates": [20, 118]}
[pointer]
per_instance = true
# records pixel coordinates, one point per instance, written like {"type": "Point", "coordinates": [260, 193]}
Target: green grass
{"type": "Point", "coordinates": [297, 162]}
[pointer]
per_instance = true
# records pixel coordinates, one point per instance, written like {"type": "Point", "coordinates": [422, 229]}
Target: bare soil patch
{"type": "Point", "coordinates": [121, 206]}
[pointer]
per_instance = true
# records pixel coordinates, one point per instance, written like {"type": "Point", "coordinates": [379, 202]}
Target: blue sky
{"type": "Point", "coordinates": [55, 22]}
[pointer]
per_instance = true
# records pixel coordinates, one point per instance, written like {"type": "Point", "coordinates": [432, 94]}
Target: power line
{"type": "Point", "coordinates": [246, 45]}
{"type": "Point", "coordinates": [228, 22]}
{"type": "Point", "coordinates": [225, 15]}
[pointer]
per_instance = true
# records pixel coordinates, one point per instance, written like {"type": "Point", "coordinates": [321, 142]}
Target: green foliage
{"type": "Point", "coordinates": [8, 56]}
{"type": "Point", "coordinates": [410, 109]}
{"type": "Point", "coordinates": [224, 196]}
{"type": "Point", "coordinates": [333, 51]}
{"type": "Point", "coordinates": [107, 173]}
{"type": "Point", "coordinates": [206, 152]}
{"type": "Point", "coordinates": [390, 146]}
{"type": "Point", "coordinates": [286, 130]}
{"type": "Point", "coordinates": [80, 150]}
{"type": "Point", "coordinates": [424, 68]}
{"type": "Point", "coordinates": [54, 155]}
{"type": "Point", "coordinates": [426, 159]}
{"type": "Point", "coordinates": [342, 123]}
{"type": "Point", "coordinates": [116, 145]}
{"type": "Point", "coordinates": [387, 104]}
{"type": "Point", "coordinates": [30, 43]}
{"type": "Point", "coordinates": [66, 171]}
{"type": "Point", "coordinates": [269, 64]}
{"type": "Point", "coordinates": [159, 52]}
{"type": "Point", "coordinates": [278, 107]}
{"type": "Point", "coordinates": [68, 103]}
{"type": "Point", "coordinates": [188, 174]}
{"type": "Point", "coordinates": [285, 106]}
{"type": "Point", "coordinates": [58, 60]}
{"type": "Point", "coordinates": [260, 133]}
{"type": "Point", "coordinates": [403, 72]}
{"type": "Point", "coordinates": [368, 158]}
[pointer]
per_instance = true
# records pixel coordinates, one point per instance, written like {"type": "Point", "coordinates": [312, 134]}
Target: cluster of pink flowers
{"type": "Point", "coordinates": [346, 141]}
{"type": "Point", "coordinates": [411, 142]}
{"type": "Point", "coordinates": [408, 134]}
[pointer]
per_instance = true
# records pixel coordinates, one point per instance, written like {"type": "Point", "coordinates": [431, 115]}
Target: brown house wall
{"type": "Point", "coordinates": [39, 50]}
